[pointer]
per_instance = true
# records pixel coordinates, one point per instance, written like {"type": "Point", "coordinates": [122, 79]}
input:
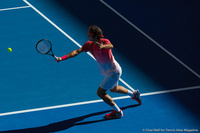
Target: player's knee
{"type": "Point", "coordinates": [101, 93]}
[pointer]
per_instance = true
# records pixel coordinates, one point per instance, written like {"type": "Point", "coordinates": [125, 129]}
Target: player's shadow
{"type": "Point", "coordinates": [66, 124]}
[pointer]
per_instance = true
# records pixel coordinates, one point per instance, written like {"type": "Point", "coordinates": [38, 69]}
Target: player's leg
{"type": "Point", "coordinates": [117, 112]}
{"type": "Point", "coordinates": [120, 89]}
{"type": "Point", "coordinates": [135, 95]}
{"type": "Point", "coordinates": [113, 80]}
{"type": "Point", "coordinates": [105, 97]}
{"type": "Point", "coordinates": [108, 83]}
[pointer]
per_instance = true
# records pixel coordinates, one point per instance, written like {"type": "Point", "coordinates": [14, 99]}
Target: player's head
{"type": "Point", "coordinates": [95, 33]}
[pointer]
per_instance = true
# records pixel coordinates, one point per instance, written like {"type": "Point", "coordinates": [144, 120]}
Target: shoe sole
{"type": "Point", "coordinates": [113, 117]}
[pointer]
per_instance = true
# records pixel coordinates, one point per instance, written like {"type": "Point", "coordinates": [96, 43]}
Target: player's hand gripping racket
{"type": "Point", "coordinates": [44, 47]}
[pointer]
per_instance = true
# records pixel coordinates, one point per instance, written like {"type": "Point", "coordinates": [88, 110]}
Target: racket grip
{"type": "Point", "coordinates": [55, 57]}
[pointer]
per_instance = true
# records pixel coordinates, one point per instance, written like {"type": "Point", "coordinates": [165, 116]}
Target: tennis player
{"type": "Point", "coordinates": [101, 49]}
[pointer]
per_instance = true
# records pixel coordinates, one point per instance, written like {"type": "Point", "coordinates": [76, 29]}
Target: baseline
{"type": "Point", "coordinates": [97, 101]}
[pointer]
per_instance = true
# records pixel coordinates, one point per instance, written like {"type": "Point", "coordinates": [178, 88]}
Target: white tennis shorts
{"type": "Point", "coordinates": [111, 80]}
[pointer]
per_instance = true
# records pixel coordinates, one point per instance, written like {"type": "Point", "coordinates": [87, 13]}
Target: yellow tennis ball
{"type": "Point", "coordinates": [9, 50]}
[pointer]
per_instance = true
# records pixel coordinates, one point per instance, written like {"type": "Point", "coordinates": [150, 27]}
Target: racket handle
{"type": "Point", "coordinates": [55, 57]}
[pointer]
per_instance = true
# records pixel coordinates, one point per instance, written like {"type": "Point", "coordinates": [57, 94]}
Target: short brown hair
{"type": "Point", "coordinates": [96, 31]}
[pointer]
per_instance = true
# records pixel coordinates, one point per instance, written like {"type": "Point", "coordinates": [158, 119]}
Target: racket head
{"type": "Point", "coordinates": [43, 46]}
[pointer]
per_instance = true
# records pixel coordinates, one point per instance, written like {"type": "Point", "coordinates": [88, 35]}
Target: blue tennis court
{"type": "Point", "coordinates": [156, 43]}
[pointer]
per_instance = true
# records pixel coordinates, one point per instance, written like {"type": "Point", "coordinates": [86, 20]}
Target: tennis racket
{"type": "Point", "coordinates": [44, 46]}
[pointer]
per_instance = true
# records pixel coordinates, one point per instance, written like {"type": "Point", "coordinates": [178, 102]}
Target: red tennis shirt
{"type": "Point", "coordinates": [104, 57]}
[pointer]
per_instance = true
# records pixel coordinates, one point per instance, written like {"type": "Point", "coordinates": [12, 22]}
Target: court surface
{"type": "Point", "coordinates": [156, 43]}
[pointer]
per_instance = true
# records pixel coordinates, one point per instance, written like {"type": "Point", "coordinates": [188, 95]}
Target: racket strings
{"type": "Point", "coordinates": [43, 47]}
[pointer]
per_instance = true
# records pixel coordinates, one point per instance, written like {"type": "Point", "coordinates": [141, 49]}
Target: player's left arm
{"type": "Point", "coordinates": [105, 46]}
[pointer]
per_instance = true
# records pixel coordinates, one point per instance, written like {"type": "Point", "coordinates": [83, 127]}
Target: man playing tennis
{"type": "Point", "coordinates": [101, 49]}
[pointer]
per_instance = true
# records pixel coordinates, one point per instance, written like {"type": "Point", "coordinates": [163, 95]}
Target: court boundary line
{"type": "Point", "coordinates": [14, 8]}
{"type": "Point", "coordinates": [96, 101]}
{"type": "Point", "coordinates": [69, 37]}
{"type": "Point", "coordinates": [151, 39]}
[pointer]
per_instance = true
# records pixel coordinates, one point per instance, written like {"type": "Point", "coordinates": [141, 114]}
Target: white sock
{"type": "Point", "coordinates": [116, 108]}
{"type": "Point", "coordinates": [130, 93]}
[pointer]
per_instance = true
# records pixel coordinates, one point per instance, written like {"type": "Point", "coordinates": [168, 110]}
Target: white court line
{"type": "Point", "coordinates": [74, 41]}
{"type": "Point", "coordinates": [134, 26]}
{"type": "Point", "coordinates": [96, 101]}
{"type": "Point", "coordinates": [14, 8]}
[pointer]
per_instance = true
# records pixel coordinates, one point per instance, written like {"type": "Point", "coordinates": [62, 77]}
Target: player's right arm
{"type": "Point", "coordinates": [70, 55]}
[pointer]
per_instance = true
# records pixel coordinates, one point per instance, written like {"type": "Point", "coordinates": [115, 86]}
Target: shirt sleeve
{"type": "Point", "coordinates": [106, 41]}
{"type": "Point", "coordinates": [85, 47]}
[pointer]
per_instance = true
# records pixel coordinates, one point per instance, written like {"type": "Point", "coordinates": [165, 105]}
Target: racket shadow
{"type": "Point", "coordinates": [66, 124]}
